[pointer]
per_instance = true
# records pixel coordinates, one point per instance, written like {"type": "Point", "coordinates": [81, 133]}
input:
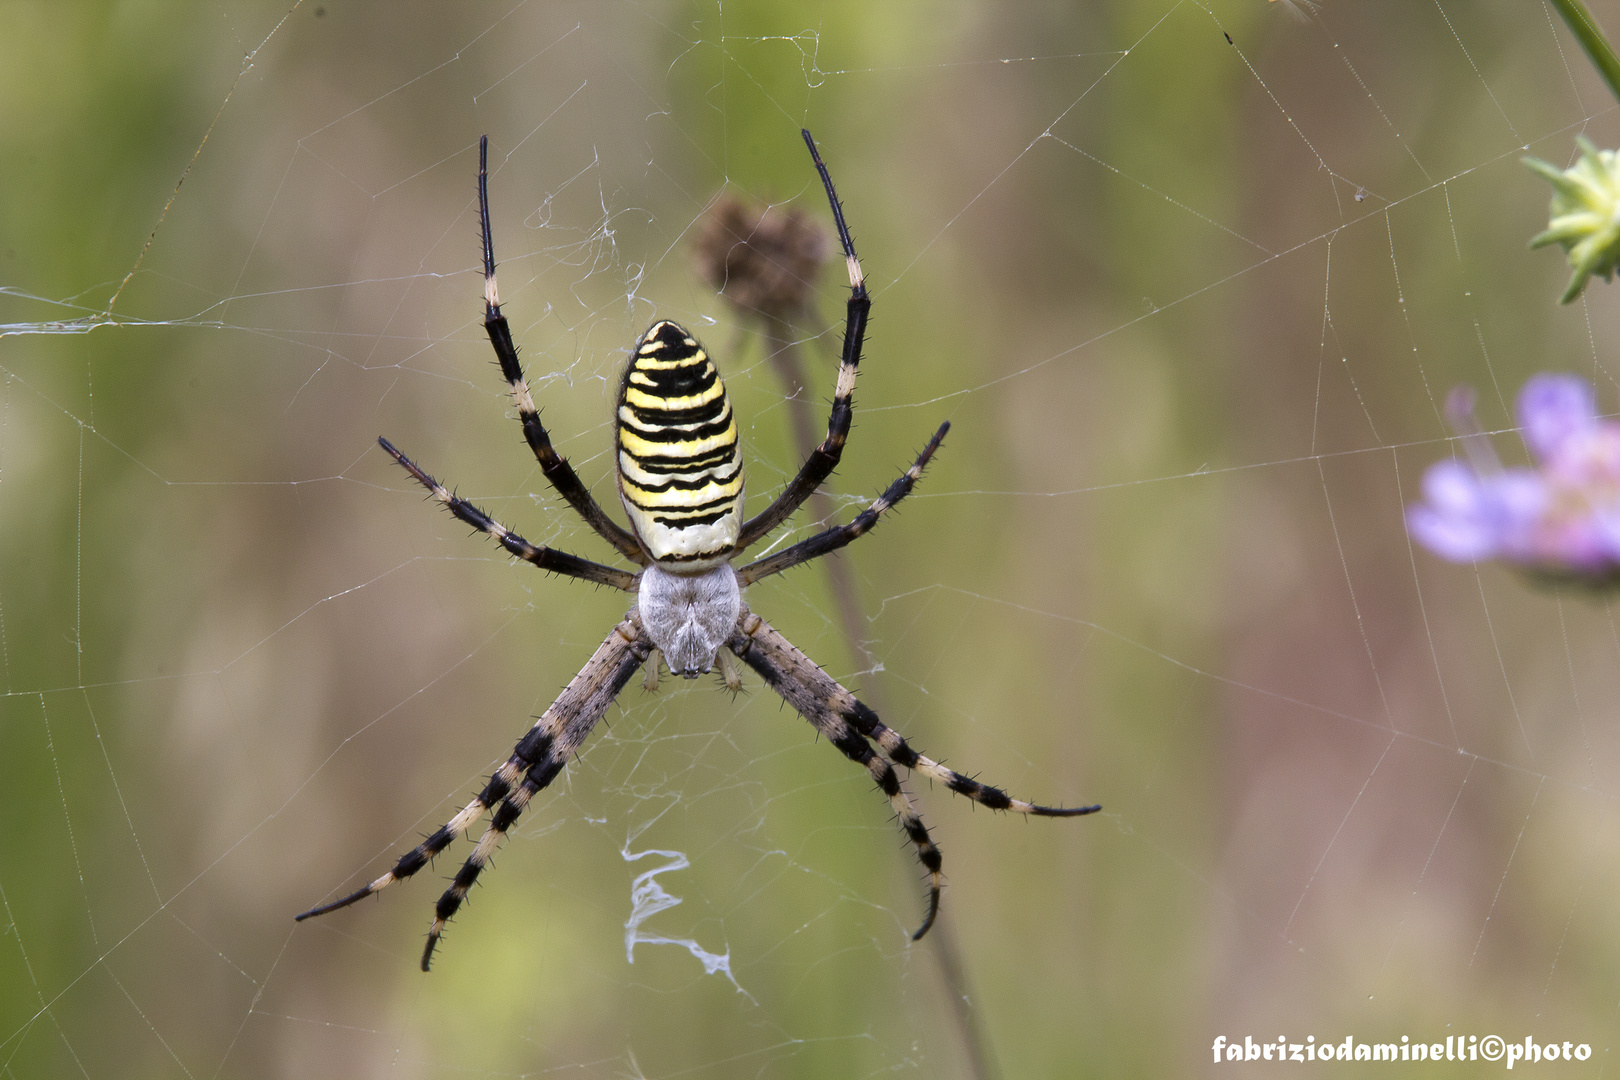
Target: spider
{"type": "Point", "coordinates": [680, 479]}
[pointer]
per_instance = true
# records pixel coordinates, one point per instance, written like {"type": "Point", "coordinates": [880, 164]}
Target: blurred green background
{"type": "Point", "coordinates": [1191, 307]}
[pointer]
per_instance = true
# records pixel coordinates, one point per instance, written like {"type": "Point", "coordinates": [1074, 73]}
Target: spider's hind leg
{"type": "Point", "coordinates": [826, 456]}
{"type": "Point", "coordinates": [554, 465]}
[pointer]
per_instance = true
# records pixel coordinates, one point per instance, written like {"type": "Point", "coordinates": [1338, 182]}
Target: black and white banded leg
{"type": "Point", "coordinates": [824, 458]}
{"type": "Point", "coordinates": [554, 465]}
{"type": "Point", "coordinates": [538, 757]}
{"type": "Point", "coordinates": [831, 540]}
{"type": "Point", "coordinates": [806, 687]}
{"type": "Point", "coordinates": [896, 749]}
{"type": "Point", "coordinates": [848, 724]}
{"type": "Point", "coordinates": [545, 558]}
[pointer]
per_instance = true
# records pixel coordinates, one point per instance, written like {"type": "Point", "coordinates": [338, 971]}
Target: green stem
{"type": "Point", "coordinates": [1592, 40]}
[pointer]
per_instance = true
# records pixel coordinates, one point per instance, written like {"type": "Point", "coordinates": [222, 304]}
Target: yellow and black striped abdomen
{"type": "Point", "coordinates": [680, 468]}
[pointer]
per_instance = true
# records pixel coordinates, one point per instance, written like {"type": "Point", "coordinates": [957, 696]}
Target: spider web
{"type": "Point", "coordinates": [1190, 280]}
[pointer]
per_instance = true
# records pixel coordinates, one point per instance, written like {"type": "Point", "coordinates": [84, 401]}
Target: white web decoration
{"type": "Point", "coordinates": [1191, 282]}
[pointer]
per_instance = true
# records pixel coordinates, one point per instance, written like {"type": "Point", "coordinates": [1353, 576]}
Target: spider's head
{"type": "Point", "coordinates": [689, 617]}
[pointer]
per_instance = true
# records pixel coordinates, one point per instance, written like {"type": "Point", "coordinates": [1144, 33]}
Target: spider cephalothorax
{"type": "Point", "coordinates": [680, 480]}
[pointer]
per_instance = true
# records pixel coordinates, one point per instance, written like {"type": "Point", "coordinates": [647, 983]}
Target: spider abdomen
{"type": "Point", "coordinates": [679, 465]}
{"type": "Point", "coordinates": [689, 616]}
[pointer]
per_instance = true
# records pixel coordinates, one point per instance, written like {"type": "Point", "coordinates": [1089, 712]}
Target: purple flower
{"type": "Point", "coordinates": [1559, 519]}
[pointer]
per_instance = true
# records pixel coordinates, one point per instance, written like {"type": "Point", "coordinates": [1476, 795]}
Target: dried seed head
{"type": "Point", "coordinates": [763, 259]}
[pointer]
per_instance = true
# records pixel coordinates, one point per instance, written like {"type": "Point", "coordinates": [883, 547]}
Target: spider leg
{"type": "Point", "coordinates": [812, 694]}
{"type": "Point", "coordinates": [728, 671]}
{"type": "Point", "coordinates": [554, 465]}
{"type": "Point", "coordinates": [896, 749]}
{"type": "Point", "coordinates": [500, 784]}
{"type": "Point", "coordinates": [538, 757]}
{"type": "Point", "coordinates": [555, 738]}
{"type": "Point", "coordinates": [545, 558]}
{"type": "Point", "coordinates": [840, 535]}
{"type": "Point", "coordinates": [846, 721]}
{"type": "Point", "coordinates": [824, 458]}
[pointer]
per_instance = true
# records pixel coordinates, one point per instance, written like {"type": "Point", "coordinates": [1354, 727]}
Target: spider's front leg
{"type": "Point", "coordinates": [848, 724]}
{"type": "Point", "coordinates": [649, 677]}
{"type": "Point", "coordinates": [555, 738]}
{"type": "Point", "coordinates": [813, 695]}
{"type": "Point", "coordinates": [537, 759]}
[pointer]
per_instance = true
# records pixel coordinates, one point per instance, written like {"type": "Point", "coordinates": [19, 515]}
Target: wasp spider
{"type": "Point", "coordinates": [680, 479]}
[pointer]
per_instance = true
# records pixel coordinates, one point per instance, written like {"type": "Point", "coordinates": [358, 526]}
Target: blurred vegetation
{"type": "Point", "coordinates": [1191, 306]}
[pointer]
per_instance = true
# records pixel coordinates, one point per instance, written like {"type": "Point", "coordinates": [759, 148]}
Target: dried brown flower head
{"type": "Point", "coordinates": [763, 259]}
